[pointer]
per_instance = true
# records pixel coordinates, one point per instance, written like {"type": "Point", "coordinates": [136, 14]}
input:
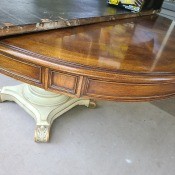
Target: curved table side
{"type": "Point", "coordinates": [83, 81]}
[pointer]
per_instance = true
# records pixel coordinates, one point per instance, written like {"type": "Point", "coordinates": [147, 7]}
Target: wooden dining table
{"type": "Point", "coordinates": [131, 60]}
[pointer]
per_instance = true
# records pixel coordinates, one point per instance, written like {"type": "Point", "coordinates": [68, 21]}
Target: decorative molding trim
{"type": "Point", "coordinates": [83, 70]}
{"type": "Point", "coordinates": [62, 88]}
{"type": "Point", "coordinates": [8, 71]}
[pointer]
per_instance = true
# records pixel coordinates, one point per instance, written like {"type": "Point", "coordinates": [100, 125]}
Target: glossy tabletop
{"type": "Point", "coordinates": [136, 51]}
{"type": "Point", "coordinates": [140, 45]}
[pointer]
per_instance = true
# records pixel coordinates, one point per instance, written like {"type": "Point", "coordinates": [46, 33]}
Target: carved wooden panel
{"type": "Point", "coordinates": [63, 82]}
{"type": "Point", "coordinates": [126, 91]}
{"type": "Point", "coordinates": [20, 69]}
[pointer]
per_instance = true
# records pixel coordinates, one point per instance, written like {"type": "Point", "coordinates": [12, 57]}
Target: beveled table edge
{"type": "Point", "coordinates": [85, 70]}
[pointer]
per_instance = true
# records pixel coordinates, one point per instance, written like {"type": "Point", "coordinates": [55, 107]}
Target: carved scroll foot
{"type": "Point", "coordinates": [42, 105]}
{"type": "Point", "coordinates": [42, 133]}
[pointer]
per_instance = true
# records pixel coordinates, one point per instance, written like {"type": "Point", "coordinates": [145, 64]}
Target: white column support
{"type": "Point", "coordinates": [42, 105]}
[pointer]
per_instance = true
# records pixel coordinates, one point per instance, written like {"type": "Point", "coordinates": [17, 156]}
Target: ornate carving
{"type": "Point", "coordinates": [42, 133]}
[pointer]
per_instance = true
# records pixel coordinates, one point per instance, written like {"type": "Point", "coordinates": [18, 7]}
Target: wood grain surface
{"type": "Point", "coordinates": [24, 16]}
{"type": "Point", "coordinates": [126, 60]}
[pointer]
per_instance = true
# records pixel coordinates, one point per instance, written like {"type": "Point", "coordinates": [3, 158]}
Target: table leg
{"type": "Point", "coordinates": [42, 105]}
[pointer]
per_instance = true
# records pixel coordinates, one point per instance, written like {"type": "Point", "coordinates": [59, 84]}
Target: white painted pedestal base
{"type": "Point", "coordinates": [42, 105]}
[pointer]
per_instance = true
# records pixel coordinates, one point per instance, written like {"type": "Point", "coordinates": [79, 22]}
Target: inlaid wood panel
{"type": "Point", "coordinates": [21, 69]}
{"type": "Point", "coordinates": [127, 91]}
{"type": "Point", "coordinates": [63, 82]}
